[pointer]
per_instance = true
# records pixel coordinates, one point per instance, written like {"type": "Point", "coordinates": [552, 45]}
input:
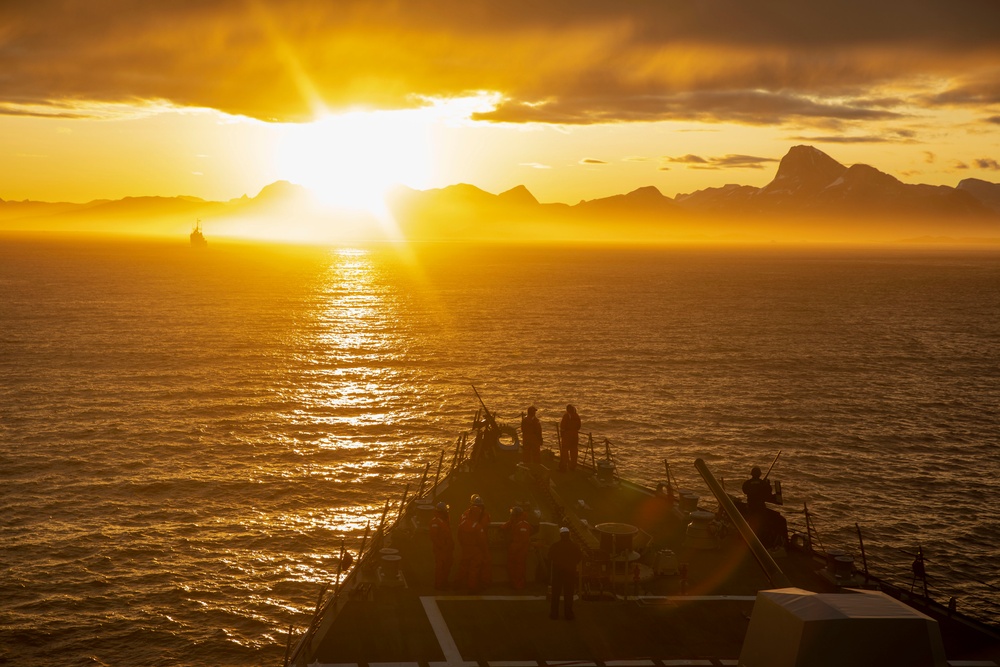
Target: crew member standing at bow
{"type": "Point", "coordinates": [569, 438]}
{"type": "Point", "coordinates": [531, 435]}
{"type": "Point", "coordinates": [443, 544]}
{"type": "Point", "coordinates": [519, 535]}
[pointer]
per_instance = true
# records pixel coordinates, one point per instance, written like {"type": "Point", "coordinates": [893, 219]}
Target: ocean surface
{"type": "Point", "coordinates": [187, 436]}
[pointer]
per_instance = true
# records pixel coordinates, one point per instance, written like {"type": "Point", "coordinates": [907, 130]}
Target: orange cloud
{"type": "Point", "coordinates": [892, 137]}
{"type": "Point", "coordinates": [722, 162]}
{"type": "Point", "coordinates": [562, 61]}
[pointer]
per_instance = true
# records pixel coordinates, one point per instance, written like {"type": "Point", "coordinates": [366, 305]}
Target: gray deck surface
{"type": "Point", "coordinates": [602, 631]}
{"type": "Point", "coordinates": [488, 630]}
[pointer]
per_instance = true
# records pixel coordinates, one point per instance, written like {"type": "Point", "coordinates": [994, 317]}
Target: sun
{"type": "Point", "coordinates": [351, 160]}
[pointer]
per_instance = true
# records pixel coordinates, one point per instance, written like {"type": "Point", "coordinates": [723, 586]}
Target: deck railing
{"type": "Point", "coordinates": [884, 566]}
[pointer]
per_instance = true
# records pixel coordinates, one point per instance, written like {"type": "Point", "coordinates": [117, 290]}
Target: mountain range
{"type": "Point", "coordinates": [812, 198]}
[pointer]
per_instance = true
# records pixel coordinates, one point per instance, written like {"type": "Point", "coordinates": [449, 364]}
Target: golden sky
{"type": "Point", "coordinates": [575, 99]}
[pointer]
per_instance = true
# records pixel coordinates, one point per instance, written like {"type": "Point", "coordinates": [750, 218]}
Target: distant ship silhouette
{"type": "Point", "coordinates": [197, 238]}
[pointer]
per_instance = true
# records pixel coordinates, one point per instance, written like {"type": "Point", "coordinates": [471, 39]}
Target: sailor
{"type": "Point", "coordinates": [564, 556]}
{"type": "Point", "coordinates": [767, 524]}
{"type": "Point", "coordinates": [443, 544]}
{"type": "Point", "coordinates": [569, 438]}
{"type": "Point", "coordinates": [473, 541]}
{"type": "Point", "coordinates": [531, 436]}
{"type": "Point", "coordinates": [518, 532]}
{"type": "Point", "coordinates": [758, 492]}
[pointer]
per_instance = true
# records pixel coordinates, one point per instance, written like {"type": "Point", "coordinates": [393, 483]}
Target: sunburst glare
{"type": "Point", "coordinates": [351, 160]}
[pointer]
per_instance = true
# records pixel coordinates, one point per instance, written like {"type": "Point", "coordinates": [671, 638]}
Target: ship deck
{"type": "Point", "coordinates": [665, 619]}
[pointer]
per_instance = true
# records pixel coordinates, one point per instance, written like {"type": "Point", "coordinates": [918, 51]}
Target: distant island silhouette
{"type": "Point", "coordinates": [812, 198]}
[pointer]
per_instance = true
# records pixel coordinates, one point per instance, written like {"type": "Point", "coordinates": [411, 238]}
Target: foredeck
{"type": "Point", "coordinates": [691, 620]}
{"type": "Point", "coordinates": [664, 619]}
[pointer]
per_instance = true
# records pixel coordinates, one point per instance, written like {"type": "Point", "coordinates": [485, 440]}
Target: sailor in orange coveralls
{"type": "Point", "coordinates": [474, 567]}
{"type": "Point", "coordinates": [519, 533]}
{"type": "Point", "coordinates": [443, 544]}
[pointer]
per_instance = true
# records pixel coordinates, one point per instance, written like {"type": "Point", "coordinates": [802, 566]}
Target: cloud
{"type": "Point", "coordinates": [745, 161]}
{"type": "Point", "coordinates": [722, 162]}
{"type": "Point", "coordinates": [987, 163]}
{"type": "Point", "coordinates": [753, 107]}
{"type": "Point", "coordinates": [71, 110]}
{"type": "Point", "coordinates": [687, 159]}
{"type": "Point", "coordinates": [929, 157]}
{"type": "Point", "coordinates": [958, 164]}
{"type": "Point", "coordinates": [559, 61]}
{"type": "Point", "coordinates": [535, 165]}
{"type": "Point", "coordinates": [590, 160]}
{"type": "Point", "coordinates": [993, 119]}
{"type": "Point", "coordinates": [980, 88]}
{"type": "Point", "coordinates": [898, 137]}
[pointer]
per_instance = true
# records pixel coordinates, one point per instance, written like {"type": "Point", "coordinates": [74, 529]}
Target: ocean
{"type": "Point", "coordinates": [187, 437]}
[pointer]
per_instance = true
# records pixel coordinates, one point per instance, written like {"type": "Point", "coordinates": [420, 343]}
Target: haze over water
{"type": "Point", "coordinates": [186, 436]}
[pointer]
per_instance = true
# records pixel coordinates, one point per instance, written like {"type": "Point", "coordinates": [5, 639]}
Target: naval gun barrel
{"type": "Point", "coordinates": [771, 569]}
{"type": "Point", "coordinates": [490, 420]}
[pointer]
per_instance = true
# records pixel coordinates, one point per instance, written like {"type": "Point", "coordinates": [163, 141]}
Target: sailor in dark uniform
{"type": "Point", "coordinates": [758, 492]}
{"type": "Point", "coordinates": [767, 524]}
{"type": "Point", "coordinates": [531, 432]}
{"type": "Point", "coordinates": [564, 556]}
{"type": "Point", "coordinates": [569, 438]}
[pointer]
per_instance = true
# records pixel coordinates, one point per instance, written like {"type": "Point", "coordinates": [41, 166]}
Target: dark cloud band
{"type": "Point", "coordinates": [559, 61]}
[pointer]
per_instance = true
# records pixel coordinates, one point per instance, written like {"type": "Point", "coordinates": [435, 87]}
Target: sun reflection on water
{"type": "Point", "coordinates": [351, 335]}
{"type": "Point", "coordinates": [344, 405]}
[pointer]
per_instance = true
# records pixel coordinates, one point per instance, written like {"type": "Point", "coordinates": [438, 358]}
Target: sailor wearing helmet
{"type": "Point", "coordinates": [474, 568]}
{"type": "Point", "coordinates": [518, 532]}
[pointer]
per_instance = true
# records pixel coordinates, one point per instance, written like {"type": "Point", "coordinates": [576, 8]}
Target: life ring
{"type": "Point", "coordinates": [507, 440]}
{"type": "Point", "coordinates": [799, 541]}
